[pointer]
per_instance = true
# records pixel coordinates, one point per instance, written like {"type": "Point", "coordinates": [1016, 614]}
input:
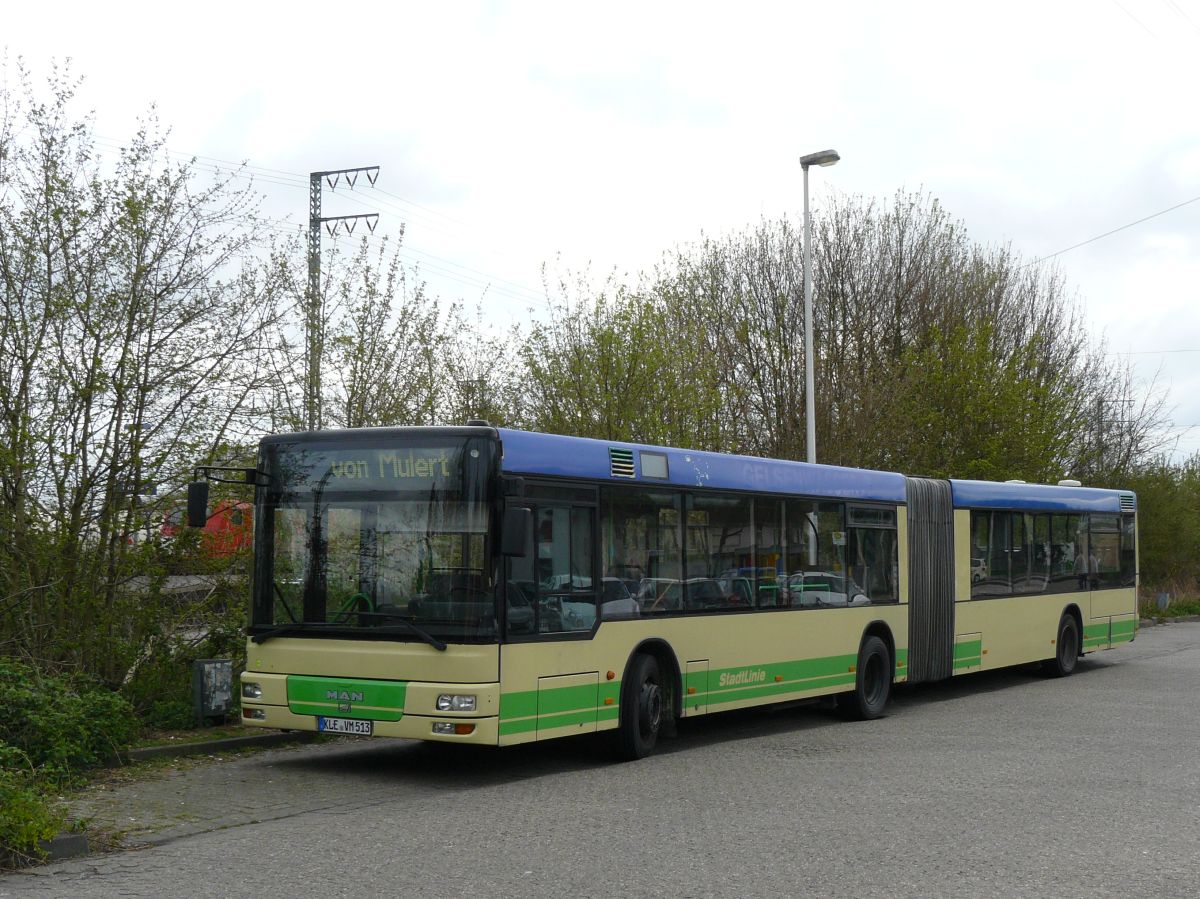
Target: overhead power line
{"type": "Point", "coordinates": [1140, 221]}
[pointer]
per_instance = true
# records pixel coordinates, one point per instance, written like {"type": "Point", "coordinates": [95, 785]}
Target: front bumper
{"type": "Point", "coordinates": [414, 722]}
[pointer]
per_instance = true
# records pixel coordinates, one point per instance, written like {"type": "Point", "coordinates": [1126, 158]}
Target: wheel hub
{"type": "Point", "coordinates": [650, 707]}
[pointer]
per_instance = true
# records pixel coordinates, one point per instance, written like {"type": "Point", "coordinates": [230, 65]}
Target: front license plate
{"type": "Point", "coordinates": [345, 726]}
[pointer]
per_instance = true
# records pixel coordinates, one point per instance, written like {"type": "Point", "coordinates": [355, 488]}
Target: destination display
{"type": "Point", "coordinates": [370, 468]}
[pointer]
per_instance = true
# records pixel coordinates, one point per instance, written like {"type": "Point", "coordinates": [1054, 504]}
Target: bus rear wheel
{"type": "Point", "coordinates": [642, 709]}
{"type": "Point", "coordinates": [872, 682]}
{"type": "Point", "coordinates": [1067, 653]}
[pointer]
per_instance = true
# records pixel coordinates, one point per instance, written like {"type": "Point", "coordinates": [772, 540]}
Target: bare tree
{"type": "Point", "coordinates": [125, 319]}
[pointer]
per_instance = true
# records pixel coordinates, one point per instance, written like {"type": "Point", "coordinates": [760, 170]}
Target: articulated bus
{"type": "Point", "coordinates": [489, 586]}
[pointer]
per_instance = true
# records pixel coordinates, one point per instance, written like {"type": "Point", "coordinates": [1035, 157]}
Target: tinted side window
{"type": "Point", "coordinates": [1106, 550]}
{"type": "Point", "coordinates": [1128, 551]}
{"type": "Point", "coordinates": [1039, 560]}
{"type": "Point", "coordinates": [1063, 536]}
{"type": "Point", "coordinates": [872, 553]}
{"type": "Point", "coordinates": [1086, 565]}
{"type": "Point", "coordinates": [991, 554]}
{"type": "Point", "coordinates": [566, 594]}
{"type": "Point", "coordinates": [641, 545]}
{"type": "Point", "coordinates": [816, 556]}
{"type": "Point", "coordinates": [720, 553]}
{"type": "Point", "coordinates": [769, 552]}
{"type": "Point", "coordinates": [1020, 551]}
{"type": "Point", "coordinates": [1031, 553]}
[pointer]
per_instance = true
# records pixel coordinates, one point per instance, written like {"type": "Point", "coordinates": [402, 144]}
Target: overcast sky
{"type": "Point", "coordinates": [515, 134]}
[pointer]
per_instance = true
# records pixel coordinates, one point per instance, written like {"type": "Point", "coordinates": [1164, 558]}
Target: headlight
{"type": "Point", "coordinates": [251, 691]}
{"type": "Point", "coordinates": [456, 702]}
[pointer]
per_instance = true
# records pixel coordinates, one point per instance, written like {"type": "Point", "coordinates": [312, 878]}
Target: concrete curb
{"type": "Point", "coordinates": [225, 744]}
{"type": "Point", "coordinates": [64, 846]}
{"type": "Point", "coordinates": [1153, 622]}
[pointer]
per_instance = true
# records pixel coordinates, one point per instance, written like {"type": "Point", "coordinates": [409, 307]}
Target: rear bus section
{"type": "Point", "coordinates": [1044, 573]}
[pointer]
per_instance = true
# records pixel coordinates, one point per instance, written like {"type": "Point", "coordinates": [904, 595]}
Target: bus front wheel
{"type": "Point", "coordinates": [641, 715]}
{"type": "Point", "coordinates": [872, 682]}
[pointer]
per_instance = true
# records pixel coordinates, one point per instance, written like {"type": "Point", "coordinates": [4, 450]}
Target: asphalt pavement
{"type": "Point", "coordinates": [999, 784]}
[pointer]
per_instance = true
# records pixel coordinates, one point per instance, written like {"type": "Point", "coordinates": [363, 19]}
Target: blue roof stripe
{"type": "Point", "coordinates": [528, 453]}
{"type": "Point", "coordinates": [993, 495]}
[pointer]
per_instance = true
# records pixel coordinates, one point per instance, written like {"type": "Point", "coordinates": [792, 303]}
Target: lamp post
{"type": "Point", "coordinates": [824, 157]}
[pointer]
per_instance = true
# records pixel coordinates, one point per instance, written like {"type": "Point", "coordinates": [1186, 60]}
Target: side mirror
{"type": "Point", "coordinates": [197, 504]}
{"type": "Point", "coordinates": [514, 535]}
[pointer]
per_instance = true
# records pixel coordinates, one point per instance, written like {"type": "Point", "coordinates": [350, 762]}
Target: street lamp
{"type": "Point", "coordinates": [824, 157]}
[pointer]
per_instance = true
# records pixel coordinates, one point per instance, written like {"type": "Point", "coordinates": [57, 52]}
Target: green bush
{"type": "Point", "coordinates": [26, 817]}
{"type": "Point", "coordinates": [63, 725]}
{"type": "Point", "coordinates": [171, 714]}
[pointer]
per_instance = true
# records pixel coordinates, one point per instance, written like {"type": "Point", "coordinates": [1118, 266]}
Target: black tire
{"type": "Point", "coordinates": [642, 709]}
{"type": "Point", "coordinates": [1066, 654]}
{"type": "Point", "coordinates": [872, 682]}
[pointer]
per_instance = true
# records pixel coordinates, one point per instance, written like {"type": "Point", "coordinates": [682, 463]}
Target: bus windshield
{"type": "Point", "coordinates": [366, 539]}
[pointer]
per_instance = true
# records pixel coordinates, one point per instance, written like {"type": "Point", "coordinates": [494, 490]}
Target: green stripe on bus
{"type": "Point", "coordinates": [724, 697]}
{"type": "Point", "coordinates": [566, 699]}
{"type": "Point", "coordinates": [528, 710]}
{"type": "Point", "coordinates": [1096, 635]}
{"type": "Point", "coordinates": [968, 654]}
{"type": "Point", "coordinates": [548, 722]}
{"type": "Point", "coordinates": [968, 648]}
{"type": "Point", "coordinates": [1123, 628]}
{"type": "Point", "coordinates": [519, 705]}
{"type": "Point", "coordinates": [346, 697]}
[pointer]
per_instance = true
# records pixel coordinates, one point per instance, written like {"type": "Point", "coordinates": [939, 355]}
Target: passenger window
{"type": "Point", "coordinates": [1086, 565]}
{"type": "Point", "coordinates": [720, 553]}
{"type": "Point", "coordinates": [816, 555]}
{"type": "Point", "coordinates": [1106, 550]}
{"type": "Point", "coordinates": [566, 594]}
{"type": "Point", "coordinates": [1128, 551]}
{"type": "Point", "coordinates": [991, 554]}
{"type": "Point", "coordinates": [1040, 552]}
{"type": "Point", "coordinates": [641, 546]}
{"type": "Point", "coordinates": [1018, 565]}
{"type": "Point", "coordinates": [1063, 537]}
{"type": "Point", "coordinates": [872, 554]}
{"type": "Point", "coordinates": [770, 583]}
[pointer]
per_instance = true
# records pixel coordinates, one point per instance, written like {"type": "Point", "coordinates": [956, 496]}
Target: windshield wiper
{"type": "Point", "coordinates": [280, 629]}
{"type": "Point", "coordinates": [298, 627]}
{"type": "Point", "coordinates": [409, 623]}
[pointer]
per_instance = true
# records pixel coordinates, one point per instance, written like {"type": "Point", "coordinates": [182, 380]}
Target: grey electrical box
{"type": "Point", "coordinates": [212, 689]}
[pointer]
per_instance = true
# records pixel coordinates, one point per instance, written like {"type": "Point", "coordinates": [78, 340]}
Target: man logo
{"type": "Point", "coordinates": [344, 696]}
